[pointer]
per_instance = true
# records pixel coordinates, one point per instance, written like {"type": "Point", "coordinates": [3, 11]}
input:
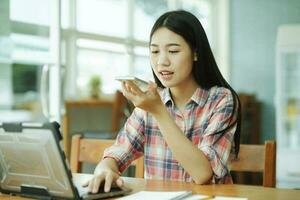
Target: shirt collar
{"type": "Point", "coordinates": [200, 96]}
{"type": "Point", "coordinates": [166, 96]}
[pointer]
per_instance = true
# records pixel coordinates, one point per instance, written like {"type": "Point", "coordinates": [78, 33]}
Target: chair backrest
{"type": "Point", "coordinates": [257, 158]}
{"type": "Point", "coordinates": [91, 151]}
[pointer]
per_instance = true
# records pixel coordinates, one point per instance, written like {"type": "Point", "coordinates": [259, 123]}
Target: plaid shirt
{"type": "Point", "coordinates": [206, 113]}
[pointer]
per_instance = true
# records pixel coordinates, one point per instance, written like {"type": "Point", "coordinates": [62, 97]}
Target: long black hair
{"type": "Point", "coordinates": [205, 69]}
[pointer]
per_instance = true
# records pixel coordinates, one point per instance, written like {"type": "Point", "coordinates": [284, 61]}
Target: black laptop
{"type": "Point", "coordinates": [32, 164]}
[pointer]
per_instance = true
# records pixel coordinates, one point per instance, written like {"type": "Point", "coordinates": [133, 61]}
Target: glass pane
{"type": "Point", "coordinates": [142, 68]}
{"type": "Point", "coordinates": [30, 48]}
{"type": "Point", "coordinates": [26, 24]}
{"type": "Point", "coordinates": [26, 82]}
{"type": "Point", "coordinates": [143, 51]}
{"type": "Point", "coordinates": [202, 10]}
{"type": "Point", "coordinates": [103, 16]}
{"type": "Point", "coordinates": [101, 45]}
{"type": "Point", "coordinates": [105, 64]}
{"type": "Point", "coordinates": [145, 14]}
{"type": "Point", "coordinates": [30, 11]}
{"type": "Point", "coordinates": [24, 93]}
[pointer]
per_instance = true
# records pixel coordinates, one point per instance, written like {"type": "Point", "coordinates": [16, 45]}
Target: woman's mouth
{"type": "Point", "coordinates": [166, 75]}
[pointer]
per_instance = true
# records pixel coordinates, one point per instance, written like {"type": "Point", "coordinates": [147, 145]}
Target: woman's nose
{"type": "Point", "coordinates": [163, 60]}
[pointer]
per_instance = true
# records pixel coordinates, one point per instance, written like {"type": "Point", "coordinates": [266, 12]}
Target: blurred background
{"type": "Point", "coordinates": [55, 54]}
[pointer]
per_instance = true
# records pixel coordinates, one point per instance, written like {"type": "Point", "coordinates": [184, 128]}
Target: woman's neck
{"type": "Point", "coordinates": [181, 94]}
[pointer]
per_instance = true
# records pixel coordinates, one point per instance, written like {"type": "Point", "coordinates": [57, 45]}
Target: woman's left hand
{"type": "Point", "coordinates": [149, 100]}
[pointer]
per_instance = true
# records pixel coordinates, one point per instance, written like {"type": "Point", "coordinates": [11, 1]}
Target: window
{"type": "Point", "coordinates": [104, 59]}
{"type": "Point", "coordinates": [29, 48]}
{"type": "Point", "coordinates": [25, 83]}
{"type": "Point", "coordinates": [145, 14]}
{"type": "Point", "coordinates": [99, 37]}
{"type": "Point", "coordinates": [202, 10]}
{"type": "Point", "coordinates": [107, 17]}
{"type": "Point", "coordinates": [142, 67]}
{"type": "Point", "coordinates": [27, 11]}
{"type": "Point", "coordinates": [33, 32]}
{"type": "Point", "coordinates": [112, 37]}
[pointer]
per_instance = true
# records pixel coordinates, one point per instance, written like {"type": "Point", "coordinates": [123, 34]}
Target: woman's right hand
{"type": "Point", "coordinates": [104, 172]}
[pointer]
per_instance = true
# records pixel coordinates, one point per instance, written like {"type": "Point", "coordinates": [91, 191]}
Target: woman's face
{"type": "Point", "coordinates": [171, 58]}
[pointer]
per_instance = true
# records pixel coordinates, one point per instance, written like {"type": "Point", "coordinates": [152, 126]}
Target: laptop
{"type": "Point", "coordinates": [33, 164]}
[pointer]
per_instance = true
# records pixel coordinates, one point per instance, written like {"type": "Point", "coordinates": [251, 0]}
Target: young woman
{"type": "Point", "coordinates": [187, 124]}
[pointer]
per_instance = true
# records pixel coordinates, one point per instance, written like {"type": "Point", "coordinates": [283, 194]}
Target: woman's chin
{"type": "Point", "coordinates": [167, 84]}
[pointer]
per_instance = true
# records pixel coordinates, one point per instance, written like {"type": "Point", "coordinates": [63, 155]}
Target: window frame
{"type": "Point", "coordinates": [70, 35]}
{"type": "Point", "coordinates": [130, 42]}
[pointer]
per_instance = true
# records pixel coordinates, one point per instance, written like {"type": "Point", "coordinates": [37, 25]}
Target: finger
{"type": "Point", "coordinates": [85, 183]}
{"type": "Point", "coordinates": [129, 88]}
{"type": "Point", "coordinates": [91, 185]}
{"type": "Point", "coordinates": [120, 182]}
{"type": "Point", "coordinates": [152, 89]}
{"type": "Point", "coordinates": [132, 91]}
{"type": "Point", "coordinates": [125, 88]}
{"type": "Point", "coordinates": [97, 183]}
{"type": "Point", "coordinates": [134, 88]}
{"type": "Point", "coordinates": [152, 86]}
{"type": "Point", "coordinates": [108, 181]}
{"type": "Point", "coordinates": [127, 92]}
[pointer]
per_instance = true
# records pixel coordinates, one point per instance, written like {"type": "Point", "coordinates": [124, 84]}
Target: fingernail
{"type": "Point", "coordinates": [120, 182]}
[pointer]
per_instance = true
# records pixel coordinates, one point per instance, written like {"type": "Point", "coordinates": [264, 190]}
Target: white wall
{"type": "Point", "coordinates": [253, 28]}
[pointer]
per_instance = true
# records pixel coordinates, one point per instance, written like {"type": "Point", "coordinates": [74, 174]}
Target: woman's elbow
{"type": "Point", "coordinates": [203, 179]}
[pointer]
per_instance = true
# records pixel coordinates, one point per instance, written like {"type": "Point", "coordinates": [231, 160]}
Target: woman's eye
{"type": "Point", "coordinates": [174, 51]}
{"type": "Point", "coordinates": [154, 52]}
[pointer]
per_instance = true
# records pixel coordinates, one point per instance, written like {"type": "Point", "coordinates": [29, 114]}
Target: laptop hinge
{"type": "Point", "coordinates": [33, 191]}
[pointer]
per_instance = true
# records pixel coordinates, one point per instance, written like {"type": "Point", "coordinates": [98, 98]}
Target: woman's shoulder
{"type": "Point", "coordinates": [218, 92]}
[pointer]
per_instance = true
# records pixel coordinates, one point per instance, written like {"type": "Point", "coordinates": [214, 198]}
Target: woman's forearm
{"type": "Point", "coordinates": [188, 155]}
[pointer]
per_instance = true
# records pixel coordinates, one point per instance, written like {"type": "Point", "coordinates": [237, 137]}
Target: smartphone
{"type": "Point", "coordinates": [143, 85]}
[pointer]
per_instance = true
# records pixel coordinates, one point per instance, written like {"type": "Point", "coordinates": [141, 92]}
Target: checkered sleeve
{"type": "Point", "coordinates": [129, 143]}
{"type": "Point", "coordinates": [217, 146]}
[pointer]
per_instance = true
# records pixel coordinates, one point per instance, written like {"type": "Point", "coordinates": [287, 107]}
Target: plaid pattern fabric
{"type": "Point", "coordinates": [206, 113]}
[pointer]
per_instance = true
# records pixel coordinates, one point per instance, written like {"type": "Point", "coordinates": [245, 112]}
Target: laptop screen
{"type": "Point", "coordinates": [29, 155]}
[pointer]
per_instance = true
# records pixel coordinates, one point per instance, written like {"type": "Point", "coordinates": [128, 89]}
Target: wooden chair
{"type": "Point", "coordinates": [91, 151]}
{"type": "Point", "coordinates": [257, 158]}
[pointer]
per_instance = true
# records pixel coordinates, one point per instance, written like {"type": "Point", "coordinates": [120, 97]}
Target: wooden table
{"type": "Point", "coordinates": [251, 192]}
